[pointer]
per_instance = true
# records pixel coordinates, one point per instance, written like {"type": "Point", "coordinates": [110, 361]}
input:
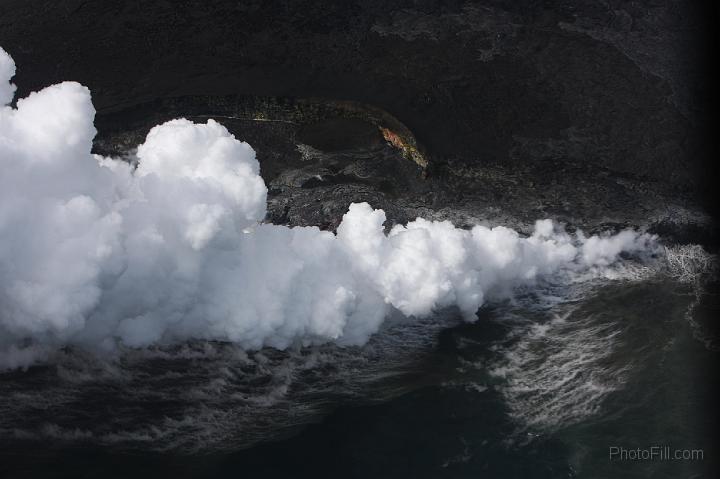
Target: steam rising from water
{"type": "Point", "coordinates": [96, 252]}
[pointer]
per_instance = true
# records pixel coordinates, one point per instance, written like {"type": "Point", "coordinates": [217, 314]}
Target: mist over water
{"type": "Point", "coordinates": [148, 313]}
{"type": "Point", "coordinates": [102, 253]}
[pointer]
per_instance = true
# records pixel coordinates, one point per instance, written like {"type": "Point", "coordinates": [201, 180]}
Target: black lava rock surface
{"type": "Point", "coordinates": [594, 113]}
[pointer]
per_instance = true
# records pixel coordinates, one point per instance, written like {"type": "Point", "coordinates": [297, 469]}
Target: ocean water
{"type": "Point", "coordinates": [542, 385]}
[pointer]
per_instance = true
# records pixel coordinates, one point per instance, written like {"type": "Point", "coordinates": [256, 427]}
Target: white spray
{"type": "Point", "coordinates": [96, 253]}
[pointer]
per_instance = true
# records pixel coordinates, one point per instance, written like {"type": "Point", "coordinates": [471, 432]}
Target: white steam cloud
{"type": "Point", "coordinates": [94, 252]}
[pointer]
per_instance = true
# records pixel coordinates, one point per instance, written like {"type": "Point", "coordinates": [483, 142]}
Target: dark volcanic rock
{"type": "Point", "coordinates": [513, 101]}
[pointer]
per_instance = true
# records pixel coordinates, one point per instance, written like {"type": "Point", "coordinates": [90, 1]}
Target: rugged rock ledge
{"type": "Point", "coordinates": [317, 156]}
{"type": "Point", "coordinates": [595, 113]}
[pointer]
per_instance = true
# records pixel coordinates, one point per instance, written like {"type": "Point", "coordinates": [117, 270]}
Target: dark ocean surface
{"type": "Point", "coordinates": [540, 386]}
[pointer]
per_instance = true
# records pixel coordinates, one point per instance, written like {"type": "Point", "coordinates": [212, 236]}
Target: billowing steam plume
{"type": "Point", "coordinates": [94, 252]}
